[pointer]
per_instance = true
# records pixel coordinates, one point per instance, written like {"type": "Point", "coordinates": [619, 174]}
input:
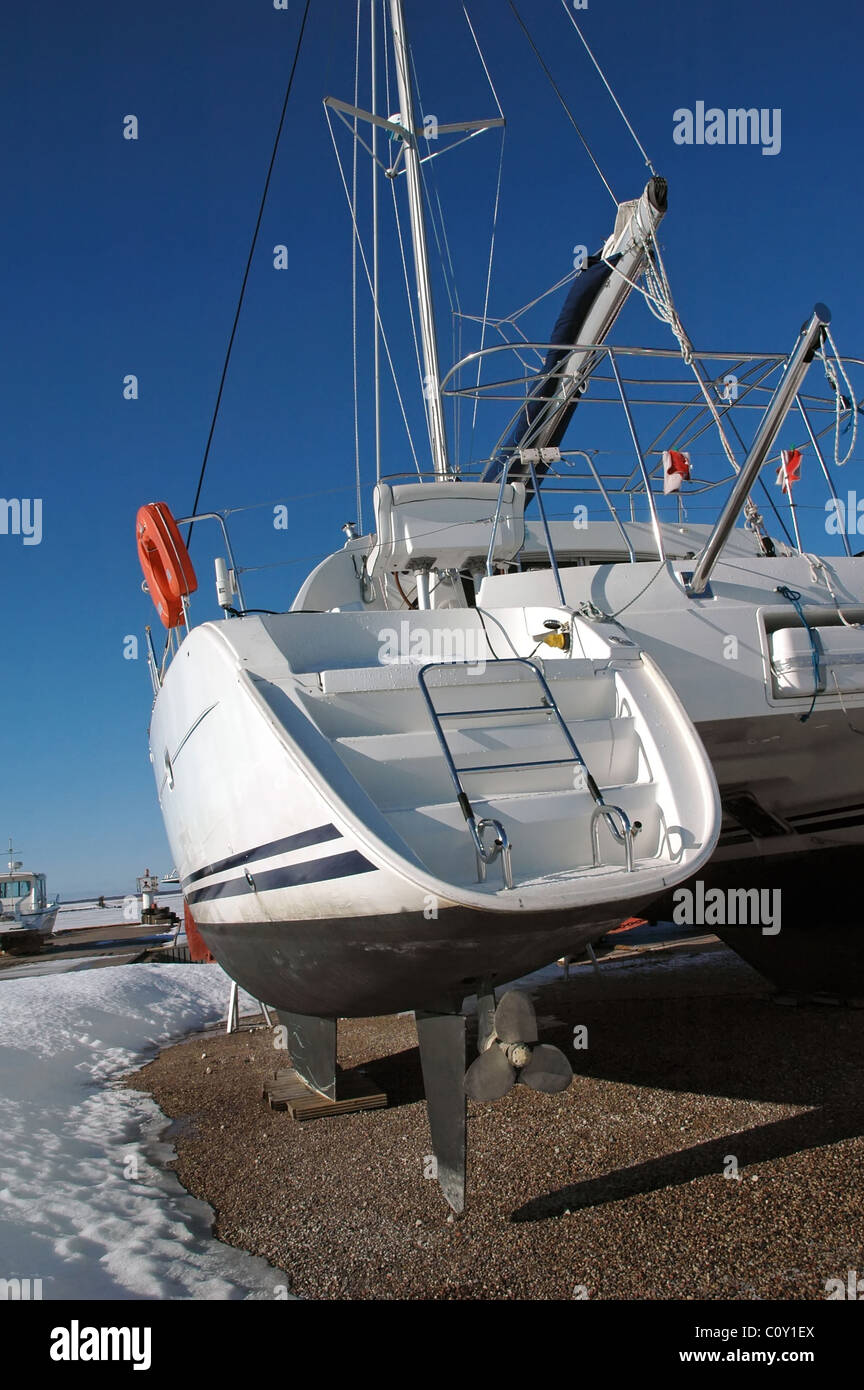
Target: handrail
{"type": "Point", "coordinates": [625, 835]}
{"type": "Point", "coordinates": [689, 406]}
{"type": "Point", "coordinates": [642, 479]}
{"type": "Point", "coordinates": [494, 536]}
{"type": "Point", "coordinates": [646, 481]}
{"type": "Point", "coordinates": [501, 845]}
{"type": "Point", "coordinates": [617, 820]}
{"type": "Point", "coordinates": [822, 464]}
{"type": "Point", "coordinates": [617, 349]}
{"type": "Point", "coordinates": [775, 414]}
{"type": "Point", "coordinates": [525, 456]}
{"type": "Point", "coordinates": [607, 499]}
{"type": "Point", "coordinates": [553, 561]}
{"type": "Point", "coordinates": [217, 516]}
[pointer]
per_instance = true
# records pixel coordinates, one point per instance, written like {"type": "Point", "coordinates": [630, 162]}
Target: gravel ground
{"type": "Point", "coordinates": [613, 1190]}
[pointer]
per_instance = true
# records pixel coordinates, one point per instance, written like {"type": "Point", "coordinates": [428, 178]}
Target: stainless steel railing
{"type": "Point", "coordinates": [617, 820]}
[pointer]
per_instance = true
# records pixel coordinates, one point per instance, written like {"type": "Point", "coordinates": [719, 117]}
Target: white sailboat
{"type": "Point", "coordinates": [481, 735]}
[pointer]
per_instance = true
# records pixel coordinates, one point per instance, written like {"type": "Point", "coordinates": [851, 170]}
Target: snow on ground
{"type": "Point", "coordinates": [86, 1202]}
{"type": "Point", "coordinates": [43, 966]}
{"type": "Point", "coordinates": [83, 1206]}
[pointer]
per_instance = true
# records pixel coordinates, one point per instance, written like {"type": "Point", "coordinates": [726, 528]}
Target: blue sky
{"type": "Point", "coordinates": [126, 257]}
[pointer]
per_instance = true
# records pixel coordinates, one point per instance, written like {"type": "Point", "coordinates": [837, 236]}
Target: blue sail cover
{"type": "Point", "coordinates": [580, 298]}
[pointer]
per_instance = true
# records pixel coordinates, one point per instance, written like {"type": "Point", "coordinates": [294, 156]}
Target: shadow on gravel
{"type": "Point", "coordinates": [744, 1048]}
{"type": "Point", "coordinates": [737, 1047]}
{"type": "Point", "coordinates": [828, 1125]}
{"type": "Point", "coordinates": [741, 1048]}
{"type": "Point", "coordinates": [399, 1076]}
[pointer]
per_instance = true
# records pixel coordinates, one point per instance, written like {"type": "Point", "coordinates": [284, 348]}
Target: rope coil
{"type": "Point", "coordinates": [840, 400]}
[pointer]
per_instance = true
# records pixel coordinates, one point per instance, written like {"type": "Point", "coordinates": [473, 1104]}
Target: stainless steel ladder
{"type": "Point", "coordinates": [617, 820]}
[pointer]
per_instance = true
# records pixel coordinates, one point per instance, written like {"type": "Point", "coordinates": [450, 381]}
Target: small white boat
{"type": "Point", "coordinates": [24, 905]}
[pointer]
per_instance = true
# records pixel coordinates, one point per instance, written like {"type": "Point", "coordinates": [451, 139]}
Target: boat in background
{"type": "Point", "coordinates": [26, 915]}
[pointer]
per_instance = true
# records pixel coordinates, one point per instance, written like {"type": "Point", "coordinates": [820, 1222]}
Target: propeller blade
{"type": "Point", "coordinates": [548, 1070]}
{"type": "Point", "coordinates": [485, 1017]}
{"type": "Point", "coordinates": [515, 1019]}
{"type": "Point", "coordinates": [490, 1076]}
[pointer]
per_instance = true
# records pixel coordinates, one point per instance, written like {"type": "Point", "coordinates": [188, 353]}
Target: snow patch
{"type": "Point", "coordinates": [82, 1207]}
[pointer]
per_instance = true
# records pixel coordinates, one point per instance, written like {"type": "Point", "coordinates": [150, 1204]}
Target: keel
{"type": "Point", "coordinates": [312, 1045]}
{"type": "Point", "coordinates": [442, 1056]}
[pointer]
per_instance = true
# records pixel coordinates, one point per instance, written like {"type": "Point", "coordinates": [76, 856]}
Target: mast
{"type": "Point", "coordinates": [432, 371]}
{"type": "Point", "coordinates": [376, 370]}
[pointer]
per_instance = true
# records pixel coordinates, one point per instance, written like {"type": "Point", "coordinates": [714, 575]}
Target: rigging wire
{"type": "Point", "coordinates": [248, 268]}
{"type": "Point", "coordinates": [557, 90]}
{"type": "Point", "coordinates": [488, 287]}
{"type": "Point", "coordinates": [495, 209]}
{"type": "Point", "coordinates": [432, 195]}
{"type": "Point", "coordinates": [359, 498]}
{"type": "Point", "coordinates": [369, 281]}
{"type": "Point", "coordinates": [438, 223]}
{"type": "Point", "coordinates": [656, 291]}
{"type": "Point", "coordinates": [569, 14]}
{"type": "Point", "coordinates": [376, 343]}
{"type": "Point", "coordinates": [408, 295]}
{"type": "Point", "coordinates": [509, 320]}
{"type": "Point", "coordinates": [559, 284]}
{"type": "Point", "coordinates": [293, 497]}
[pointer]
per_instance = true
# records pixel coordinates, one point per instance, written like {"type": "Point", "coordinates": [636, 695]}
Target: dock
{"type": "Point", "coordinates": [81, 948]}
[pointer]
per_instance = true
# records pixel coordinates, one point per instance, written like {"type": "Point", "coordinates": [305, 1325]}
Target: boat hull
{"type": "Point", "coordinates": [815, 902]}
{"type": "Point", "coordinates": [324, 894]}
{"type": "Point", "coordinates": [790, 772]}
{"type": "Point", "coordinates": [40, 922]}
{"type": "Point", "coordinates": [355, 967]}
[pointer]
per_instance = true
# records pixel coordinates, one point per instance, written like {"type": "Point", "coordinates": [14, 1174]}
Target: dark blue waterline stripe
{"type": "Point", "coordinates": [299, 841]}
{"type": "Point", "coordinates": [312, 871]}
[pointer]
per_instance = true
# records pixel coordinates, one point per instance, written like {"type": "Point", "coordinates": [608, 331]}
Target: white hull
{"type": "Point", "coordinates": [807, 775]}
{"type": "Point", "coordinates": [308, 787]}
{"type": "Point", "coordinates": [41, 921]}
{"type": "Point", "coordinates": [310, 799]}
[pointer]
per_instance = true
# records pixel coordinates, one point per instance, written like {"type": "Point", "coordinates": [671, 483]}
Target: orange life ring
{"type": "Point", "coordinates": [164, 561]}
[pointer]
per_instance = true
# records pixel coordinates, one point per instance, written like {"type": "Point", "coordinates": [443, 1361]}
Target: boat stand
{"type": "Point", "coordinates": [232, 1023]}
{"type": "Point", "coordinates": [315, 1087]}
{"type": "Point", "coordinates": [354, 1091]}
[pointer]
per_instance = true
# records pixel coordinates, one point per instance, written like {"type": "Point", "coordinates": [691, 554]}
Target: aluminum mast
{"type": "Point", "coordinates": [432, 371]}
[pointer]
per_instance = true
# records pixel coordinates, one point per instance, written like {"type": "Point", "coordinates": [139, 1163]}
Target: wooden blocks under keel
{"type": "Point", "coordinates": [354, 1091]}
